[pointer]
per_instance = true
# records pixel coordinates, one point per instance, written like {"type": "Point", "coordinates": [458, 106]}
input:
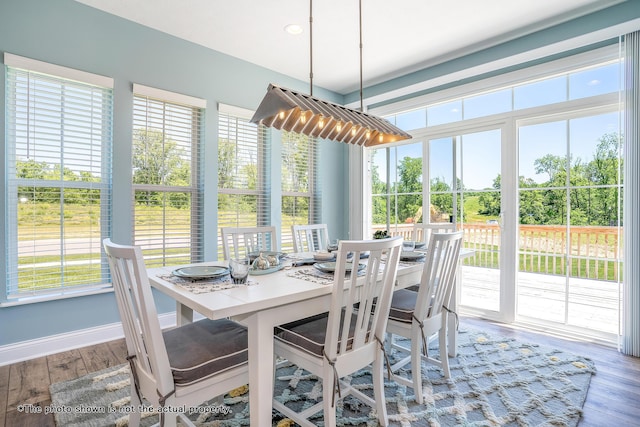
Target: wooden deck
{"type": "Point", "coordinates": [592, 305]}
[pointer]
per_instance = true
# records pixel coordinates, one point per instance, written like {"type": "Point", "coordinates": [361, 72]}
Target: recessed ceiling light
{"type": "Point", "coordinates": [294, 29]}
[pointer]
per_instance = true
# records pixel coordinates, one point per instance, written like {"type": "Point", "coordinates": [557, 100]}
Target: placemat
{"type": "Point", "coordinates": [201, 286]}
{"type": "Point", "coordinates": [312, 275]}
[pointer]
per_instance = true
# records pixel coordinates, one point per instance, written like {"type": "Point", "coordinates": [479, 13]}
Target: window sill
{"type": "Point", "coordinates": [32, 299]}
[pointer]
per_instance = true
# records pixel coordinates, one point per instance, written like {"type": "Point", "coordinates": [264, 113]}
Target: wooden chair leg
{"type": "Point", "coordinates": [444, 351]}
{"type": "Point", "coordinates": [134, 416]}
{"type": "Point", "coordinates": [328, 390]}
{"type": "Point", "coordinates": [416, 363]}
{"type": "Point", "coordinates": [378, 389]}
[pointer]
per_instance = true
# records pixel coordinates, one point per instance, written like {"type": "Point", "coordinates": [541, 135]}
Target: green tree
{"type": "Point", "coordinates": [441, 197]}
{"type": "Point", "coordinates": [379, 191]}
{"type": "Point", "coordinates": [155, 158]}
{"type": "Point", "coordinates": [295, 171]}
{"type": "Point", "coordinates": [604, 170]}
{"type": "Point", "coordinates": [158, 160]}
{"type": "Point", "coordinates": [409, 188]}
{"type": "Point", "coordinates": [490, 202]}
{"type": "Point", "coordinates": [226, 163]}
{"type": "Point", "coordinates": [30, 169]}
{"type": "Point", "coordinates": [295, 164]}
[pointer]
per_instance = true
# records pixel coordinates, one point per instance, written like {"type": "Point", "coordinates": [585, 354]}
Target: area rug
{"type": "Point", "coordinates": [495, 381]}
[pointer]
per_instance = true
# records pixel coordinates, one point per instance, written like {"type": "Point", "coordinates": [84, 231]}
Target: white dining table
{"type": "Point", "coordinates": [273, 299]}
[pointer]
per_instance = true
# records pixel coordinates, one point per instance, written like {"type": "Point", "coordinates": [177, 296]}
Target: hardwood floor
{"type": "Point", "coordinates": [613, 398]}
{"type": "Point", "coordinates": [27, 383]}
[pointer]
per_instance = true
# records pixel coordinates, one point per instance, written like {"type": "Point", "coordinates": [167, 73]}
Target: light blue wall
{"type": "Point", "coordinates": [68, 33]}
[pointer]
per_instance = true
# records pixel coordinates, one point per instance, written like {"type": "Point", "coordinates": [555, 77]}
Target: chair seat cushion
{"type": "Point", "coordinates": [309, 334]}
{"type": "Point", "coordinates": [202, 349]}
{"type": "Point", "coordinates": [403, 304]}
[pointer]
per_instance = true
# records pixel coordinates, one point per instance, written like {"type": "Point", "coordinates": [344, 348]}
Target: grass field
{"type": "Point", "coordinates": [44, 271]}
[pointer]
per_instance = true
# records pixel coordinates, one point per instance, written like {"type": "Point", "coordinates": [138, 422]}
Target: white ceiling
{"type": "Point", "coordinates": [398, 36]}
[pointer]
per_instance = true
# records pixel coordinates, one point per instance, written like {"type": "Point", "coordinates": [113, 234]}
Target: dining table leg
{"type": "Point", "coordinates": [261, 358]}
{"type": "Point", "coordinates": [184, 314]}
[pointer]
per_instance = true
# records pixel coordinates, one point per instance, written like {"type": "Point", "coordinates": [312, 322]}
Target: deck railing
{"type": "Point", "coordinates": [594, 251]}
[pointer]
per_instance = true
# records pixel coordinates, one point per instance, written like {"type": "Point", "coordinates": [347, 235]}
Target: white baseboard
{"type": "Point", "coordinates": [52, 344]}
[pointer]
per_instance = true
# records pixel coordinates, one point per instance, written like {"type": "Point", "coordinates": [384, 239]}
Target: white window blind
{"type": "Point", "coordinates": [58, 174]}
{"type": "Point", "coordinates": [243, 171]}
{"type": "Point", "coordinates": [300, 190]}
{"type": "Point", "coordinates": [167, 206]}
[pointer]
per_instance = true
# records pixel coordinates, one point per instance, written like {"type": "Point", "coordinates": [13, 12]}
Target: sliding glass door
{"type": "Point", "coordinates": [465, 186]}
{"type": "Point", "coordinates": [569, 194]}
{"type": "Point", "coordinates": [531, 171]}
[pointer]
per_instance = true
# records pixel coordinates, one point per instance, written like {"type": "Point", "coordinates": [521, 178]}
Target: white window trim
{"type": "Point", "coordinates": [29, 64]}
{"type": "Point", "coordinates": [167, 96]}
{"type": "Point", "coordinates": [232, 110]}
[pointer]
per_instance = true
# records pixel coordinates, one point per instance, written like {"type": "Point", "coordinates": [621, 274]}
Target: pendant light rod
{"type": "Point", "coordinates": [311, 47]}
{"type": "Point", "coordinates": [360, 24]}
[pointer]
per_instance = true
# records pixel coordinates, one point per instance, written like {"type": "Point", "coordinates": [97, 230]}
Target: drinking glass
{"type": "Point", "coordinates": [408, 246]}
{"type": "Point", "coordinates": [239, 269]}
{"type": "Point", "coordinates": [333, 245]}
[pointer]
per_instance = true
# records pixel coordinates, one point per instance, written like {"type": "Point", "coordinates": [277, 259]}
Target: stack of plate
{"type": "Point", "coordinates": [330, 267]}
{"type": "Point", "coordinates": [411, 256]}
{"type": "Point", "coordinates": [201, 272]}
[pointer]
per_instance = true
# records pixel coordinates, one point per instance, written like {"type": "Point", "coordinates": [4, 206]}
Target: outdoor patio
{"type": "Point", "coordinates": [592, 304]}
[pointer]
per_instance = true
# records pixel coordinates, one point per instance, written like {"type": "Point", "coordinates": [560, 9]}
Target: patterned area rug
{"type": "Point", "coordinates": [495, 381]}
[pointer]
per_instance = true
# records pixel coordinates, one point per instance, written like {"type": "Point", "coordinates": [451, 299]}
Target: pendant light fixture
{"type": "Point", "coordinates": [293, 111]}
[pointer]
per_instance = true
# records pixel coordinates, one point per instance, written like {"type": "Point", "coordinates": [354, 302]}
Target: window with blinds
{"type": "Point", "coordinates": [243, 171]}
{"type": "Point", "coordinates": [58, 174]}
{"type": "Point", "coordinates": [167, 210]}
{"type": "Point", "coordinates": [300, 192]}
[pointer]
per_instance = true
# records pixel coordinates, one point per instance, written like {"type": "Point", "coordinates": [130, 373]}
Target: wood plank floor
{"type": "Point", "coordinates": [613, 398]}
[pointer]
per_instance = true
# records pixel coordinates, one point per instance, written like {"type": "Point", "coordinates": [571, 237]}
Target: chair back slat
{"type": "Point", "coordinates": [310, 238]}
{"type": "Point", "coordinates": [238, 242]}
{"type": "Point", "coordinates": [143, 335]}
{"type": "Point", "coordinates": [423, 232]}
{"type": "Point", "coordinates": [360, 300]}
{"type": "Point", "coordinates": [439, 274]}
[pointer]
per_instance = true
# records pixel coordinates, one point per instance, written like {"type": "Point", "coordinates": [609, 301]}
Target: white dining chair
{"type": "Point", "coordinates": [310, 238]}
{"type": "Point", "coordinates": [350, 336]}
{"type": "Point", "coordinates": [419, 315]}
{"type": "Point", "coordinates": [184, 366]}
{"type": "Point", "coordinates": [239, 242]}
{"type": "Point", "coordinates": [422, 232]}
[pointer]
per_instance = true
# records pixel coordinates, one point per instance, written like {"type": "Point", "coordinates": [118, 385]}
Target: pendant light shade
{"type": "Point", "coordinates": [292, 111]}
{"type": "Point", "coordinates": [288, 110]}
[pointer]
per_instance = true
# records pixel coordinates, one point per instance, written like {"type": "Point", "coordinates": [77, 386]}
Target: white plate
{"type": "Point", "coordinates": [201, 272]}
{"type": "Point", "coordinates": [411, 256]}
{"type": "Point", "coordinates": [330, 267]}
{"type": "Point", "coordinates": [258, 272]}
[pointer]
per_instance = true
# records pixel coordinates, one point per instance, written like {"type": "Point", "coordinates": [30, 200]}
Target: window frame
{"type": "Point", "coordinates": [312, 192]}
{"type": "Point", "coordinates": [149, 99]}
{"type": "Point", "coordinates": [244, 136]}
{"type": "Point", "coordinates": [98, 96]}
